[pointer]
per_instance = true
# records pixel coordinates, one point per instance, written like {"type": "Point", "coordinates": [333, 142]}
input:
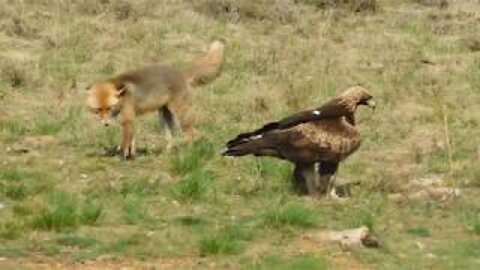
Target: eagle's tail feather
{"type": "Point", "coordinates": [247, 136]}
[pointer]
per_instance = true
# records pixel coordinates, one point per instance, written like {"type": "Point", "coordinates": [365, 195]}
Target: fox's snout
{"type": "Point", "coordinates": [105, 122]}
{"type": "Point", "coordinates": [105, 119]}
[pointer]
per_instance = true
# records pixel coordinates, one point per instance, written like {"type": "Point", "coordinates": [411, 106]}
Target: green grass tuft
{"type": "Point", "coordinates": [134, 210]}
{"type": "Point", "coordinates": [16, 191]}
{"type": "Point", "coordinates": [476, 227]}
{"type": "Point", "coordinates": [23, 209]}
{"type": "Point", "coordinates": [292, 215]}
{"type": "Point", "coordinates": [461, 255]}
{"type": "Point", "coordinates": [12, 175]}
{"type": "Point", "coordinates": [230, 240]}
{"type": "Point", "coordinates": [91, 211]}
{"type": "Point", "coordinates": [362, 218]}
{"type": "Point", "coordinates": [18, 184]}
{"type": "Point", "coordinates": [13, 130]}
{"type": "Point", "coordinates": [11, 229]}
{"type": "Point", "coordinates": [299, 262]}
{"type": "Point", "coordinates": [64, 212]}
{"type": "Point", "coordinates": [51, 125]}
{"type": "Point", "coordinates": [420, 231]}
{"type": "Point", "coordinates": [47, 126]}
{"type": "Point", "coordinates": [61, 213]}
{"type": "Point", "coordinates": [273, 170]}
{"type": "Point", "coordinates": [194, 187]}
{"type": "Point", "coordinates": [140, 187]}
{"type": "Point", "coordinates": [192, 157]}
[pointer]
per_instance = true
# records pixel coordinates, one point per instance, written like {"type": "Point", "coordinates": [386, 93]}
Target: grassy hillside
{"type": "Point", "coordinates": [65, 200]}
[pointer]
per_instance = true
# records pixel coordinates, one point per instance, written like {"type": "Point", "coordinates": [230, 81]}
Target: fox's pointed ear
{"type": "Point", "coordinates": [121, 89]}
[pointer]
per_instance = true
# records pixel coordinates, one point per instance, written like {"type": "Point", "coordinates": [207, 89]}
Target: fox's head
{"type": "Point", "coordinates": [104, 100]}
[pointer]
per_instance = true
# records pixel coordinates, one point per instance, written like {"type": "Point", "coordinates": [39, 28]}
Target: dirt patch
{"type": "Point", "coordinates": [32, 143]}
{"type": "Point", "coordinates": [433, 187]}
{"type": "Point", "coordinates": [102, 263]}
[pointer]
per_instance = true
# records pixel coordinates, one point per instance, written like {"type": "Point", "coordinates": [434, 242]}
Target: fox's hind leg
{"type": "Point", "coordinates": [183, 112]}
{"type": "Point", "coordinates": [167, 120]}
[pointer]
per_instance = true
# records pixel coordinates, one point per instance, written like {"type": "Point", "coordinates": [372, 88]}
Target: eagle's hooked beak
{"type": "Point", "coordinates": [371, 104]}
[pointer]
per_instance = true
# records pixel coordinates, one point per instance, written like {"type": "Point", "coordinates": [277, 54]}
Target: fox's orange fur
{"type": "Point", "coordinates": [155, 88]}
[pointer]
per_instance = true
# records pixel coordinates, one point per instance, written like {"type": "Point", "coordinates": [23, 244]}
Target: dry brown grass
{"type": "Point", "coordinates": [419, 60]}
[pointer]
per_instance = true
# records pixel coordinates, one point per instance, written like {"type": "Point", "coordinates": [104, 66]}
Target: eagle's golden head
{"type": "Point", "coordinates": [357, 95]}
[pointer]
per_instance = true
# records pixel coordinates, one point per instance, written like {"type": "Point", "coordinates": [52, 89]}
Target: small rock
{"type": "Point", "coordinates": [443, 193]}
{"type": "Point", "coordinates": [346, 238]}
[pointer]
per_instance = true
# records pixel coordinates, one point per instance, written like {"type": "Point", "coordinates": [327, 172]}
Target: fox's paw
{"type": "Point", "coordinates": [127, 157]}
{"type": "Point", "coordinates": [127, 154]}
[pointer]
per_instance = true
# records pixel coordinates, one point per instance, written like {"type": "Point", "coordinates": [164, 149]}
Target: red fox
{"type": "Point", "coordinates": [155, 88]}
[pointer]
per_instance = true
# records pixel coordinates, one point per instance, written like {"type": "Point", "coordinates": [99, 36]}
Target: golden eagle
{"type": "Point", "coordinates": [314, 140]}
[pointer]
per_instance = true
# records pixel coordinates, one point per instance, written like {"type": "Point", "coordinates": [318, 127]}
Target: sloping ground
{"type": "Point", "coordinates": [66, 202]}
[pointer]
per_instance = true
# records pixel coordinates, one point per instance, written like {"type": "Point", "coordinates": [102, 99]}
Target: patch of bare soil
{"type": "Point", "coordinates": [434, 187]}
{"type": "Point", "coordinates": [102, 263]}
{"type": "Point", "coordinates": [322, 241]}
{"type": "Point", "coordinates": [32, 143]}
{"type": "Point", "coordinates": [341, 259]}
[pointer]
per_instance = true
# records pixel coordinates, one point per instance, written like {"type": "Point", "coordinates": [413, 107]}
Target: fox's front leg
{"type": "Point", "coordinates": [133, 148]}
{"type": "Point", "coordinates": [128, 145]}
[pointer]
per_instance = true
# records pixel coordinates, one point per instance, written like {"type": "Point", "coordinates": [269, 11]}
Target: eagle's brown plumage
{"type": "Point", "coordinates": [314, 140]}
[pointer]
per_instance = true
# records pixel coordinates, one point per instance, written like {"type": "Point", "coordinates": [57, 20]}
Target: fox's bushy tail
{"type": "Point", "coordinates": [207, 67]}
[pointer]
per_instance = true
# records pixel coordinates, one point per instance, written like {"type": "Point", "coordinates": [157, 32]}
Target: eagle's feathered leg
{"type": "Point", "coordinates": [300, 182]}
{"type": "Point", "coordinates": [315, 179]}
{"type": "Point", "coordinates": [327, 172]}
{"type": "Point", "coordinates": [307, 179]}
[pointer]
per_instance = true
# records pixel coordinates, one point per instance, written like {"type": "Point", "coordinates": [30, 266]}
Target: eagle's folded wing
{"type": "Point", "coordinates": [332, 109]}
